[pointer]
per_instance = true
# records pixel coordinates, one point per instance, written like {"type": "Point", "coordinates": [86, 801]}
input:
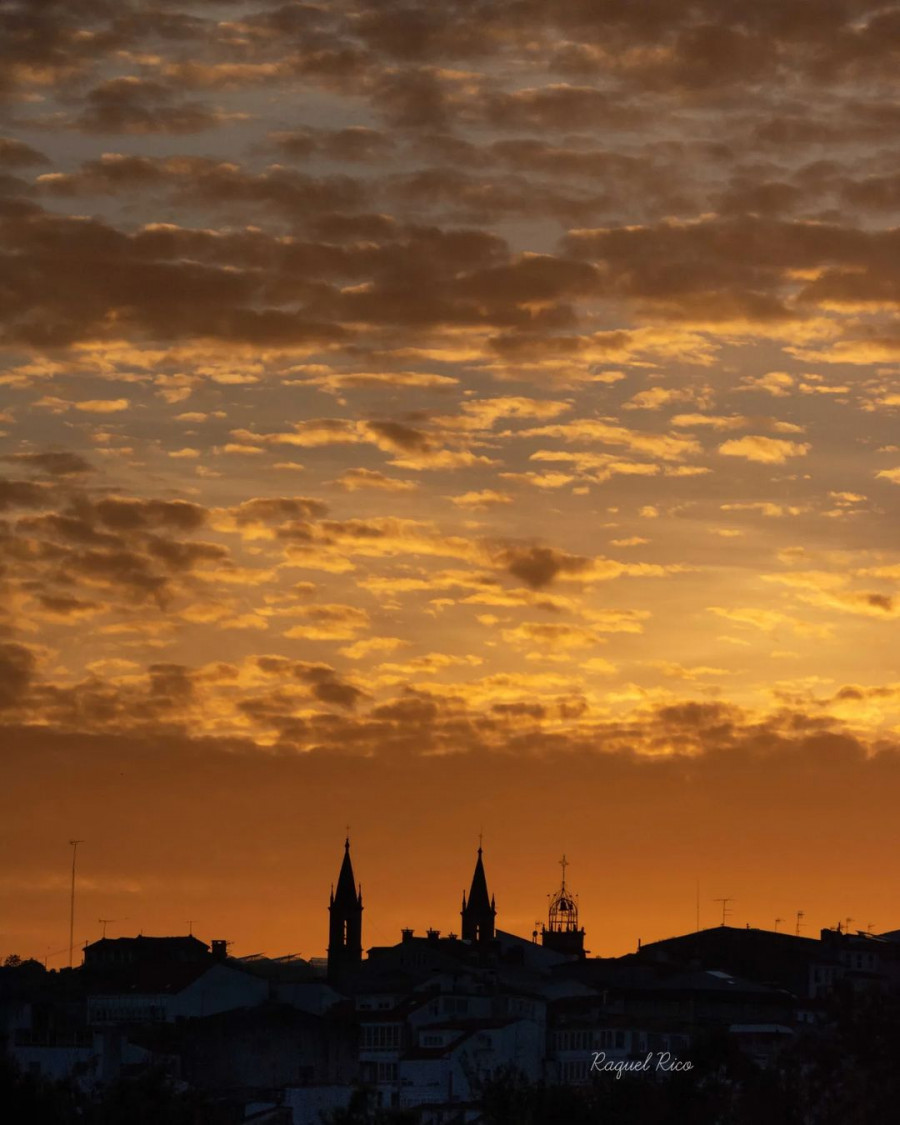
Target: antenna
{"type": "Point", "coordinates": [698, 906]}
{"type": "Point", "coordinates": [104, 922]}
{"type": "Point", "coordinates": [847, 922]}
{"type": "Point", "coordinates": [74, 846]}
{"type": "Point", "coordinates": [190, 924]}
{"type": "Point", "coordinates": [726, 909]}
{"type": "Point", "coordinates": [777, 920]}
{"type": "Point", "coordinates": [801, 914]}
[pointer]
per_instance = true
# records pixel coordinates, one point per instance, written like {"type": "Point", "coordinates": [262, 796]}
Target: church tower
{"type": "Point", "coordinates": [562, 933]}
{"type": "Point", "coordinates": [479, 912]}
{"type": "Point", "coordinates": [345, 922]}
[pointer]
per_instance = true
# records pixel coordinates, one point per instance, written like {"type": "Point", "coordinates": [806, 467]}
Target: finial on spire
{"type": "Point", "coordinates": [564, 863]}
{"type": "Point", "coordinates": [480, 839]}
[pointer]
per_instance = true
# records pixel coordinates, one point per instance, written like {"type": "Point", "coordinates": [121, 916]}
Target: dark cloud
{"type": "Point", "coordinates": [354, 144]}
{"type": "Point", "coordinates": [135, 106]}
{"type": "Point", "coordinates": [53, 302]}
{"type": "Point", "coordinates": [732, 267]}
{"type": "Point", "coordinates": [22, 494]}
{"type": "Point", "coordinates": [53, 463]}
{"type": "Point", "coordinates": [537, 566]}
{"type": "Point", "coordinates": [17, 154]}
{"type": "Point", "coordinates": [276, 508]}
{"type": "Point", "coordinates": [402, 436]}
{"type": "Point", "coordinates": [121, 514]}
{"type": "Point", "coordinates": [17, 669]}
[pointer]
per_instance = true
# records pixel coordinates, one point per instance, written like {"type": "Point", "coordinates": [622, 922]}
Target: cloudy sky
{"type": "Point", "coordinates": [445, 417]}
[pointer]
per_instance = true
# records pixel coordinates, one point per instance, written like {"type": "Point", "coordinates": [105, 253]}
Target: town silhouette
{"type": "Point", "coordinates": [479, 1025]}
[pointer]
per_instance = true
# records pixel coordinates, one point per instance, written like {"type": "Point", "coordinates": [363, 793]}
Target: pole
{"type": "Point", "coordinates": [74, 844]}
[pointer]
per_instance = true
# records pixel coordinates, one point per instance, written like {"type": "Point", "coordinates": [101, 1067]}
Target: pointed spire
{"type": "Point", "coordinates": [346, 884]}
{"type": "Point", "coordinates": [345, 922]}
{"type": "Point", "coordinates": [478, 894]}
{"type": "Point", "coordinates": [479, 909]}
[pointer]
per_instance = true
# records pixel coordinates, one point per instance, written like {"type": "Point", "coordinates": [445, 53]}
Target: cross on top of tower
{"type": "Point", "coordinates": [564, 863]}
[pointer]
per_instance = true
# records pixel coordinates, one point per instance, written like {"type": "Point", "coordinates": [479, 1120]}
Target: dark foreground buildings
{"type": "Point", "coordinates": [429, 1027]}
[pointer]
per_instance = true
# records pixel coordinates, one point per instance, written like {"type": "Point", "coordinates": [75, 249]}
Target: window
{"type": "Point", "coordinates": [380, 1036]}
{"type": "Point", "coordinates": [574, 1070]}
{"type": "Point", "coordinates": [574, 1041]}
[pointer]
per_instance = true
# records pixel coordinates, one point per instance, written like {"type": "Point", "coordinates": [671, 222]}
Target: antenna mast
{"type": "Point", "coordinates": [74, 845]}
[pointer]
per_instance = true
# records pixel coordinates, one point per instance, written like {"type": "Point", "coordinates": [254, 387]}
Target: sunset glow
{"type": "Point", "coordinates": [445, 418]}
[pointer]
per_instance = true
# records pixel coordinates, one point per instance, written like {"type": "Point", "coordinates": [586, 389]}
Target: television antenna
{"type": "Point", "coordinates": [74, 846]}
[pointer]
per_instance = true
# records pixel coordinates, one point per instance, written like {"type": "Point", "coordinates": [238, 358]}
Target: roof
{"type": "Point", "coordinates": [479, 900]}
{"type": "Point", "coordinates": [717, 935]}
{"type": "Point", "coordinates": [152, 978]}
{"type": "Point", "coordinates": [465, 1029]}
{"type": "Point", "coordinates": [148, 944]}
{"type": "Point", "coordinates": [346, 884]}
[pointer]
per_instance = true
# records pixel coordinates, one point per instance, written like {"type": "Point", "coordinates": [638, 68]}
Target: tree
{"type": "Point", "coordinates": [363, 1110]}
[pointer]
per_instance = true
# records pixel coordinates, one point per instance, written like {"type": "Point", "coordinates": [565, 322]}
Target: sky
{"type": "Point", "coordinates": [446, 419]}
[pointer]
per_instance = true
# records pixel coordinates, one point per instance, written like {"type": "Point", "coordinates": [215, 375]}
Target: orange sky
{"type": "Point", "coordinates": [435, 418]}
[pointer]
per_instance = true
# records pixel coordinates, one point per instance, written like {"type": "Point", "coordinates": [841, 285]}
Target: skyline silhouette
{"type": "Point", "coordinates": [446, 417]}
{"type": "Point", "coordinates": [558, 928]}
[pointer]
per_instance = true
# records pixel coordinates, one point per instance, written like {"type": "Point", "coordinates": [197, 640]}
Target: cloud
{"type": "Point", "coordinates": [327, 622]}
{"type": "Point", "coordinates": [485, 498]}
{"type": "Point", "coordinates": [509, 285]}
{"type": "Point", "coordinates": [538, 566]}
{"type": "Point", "coordinates": [139, 106]}
{"type": "Point", "coordinates": [669, 447]}
{"type": "Point", "coordinates": [355, 479]}
{"type": "Point", "coordinates": [765, 450]}
{"type": "Point", "coordinates": [50, 462]}
{"type": "Point", "coordinates": [17, 154]}
{"type": "Point", "coordinates": [17, 669]}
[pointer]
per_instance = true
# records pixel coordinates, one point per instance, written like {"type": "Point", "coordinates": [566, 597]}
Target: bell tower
{"type": "Point", "coordinates": [479, 912]}
{"type": "Point", "coordinates": [345, 922]}
{"type": "Point", "coordinates": [562, 934]}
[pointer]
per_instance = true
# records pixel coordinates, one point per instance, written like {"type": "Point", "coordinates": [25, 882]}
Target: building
{"type": "Point", "coordinates": [562, 932]}
{"type": "Point", "coordinates": [344, 923]}
{"type": "Point", "coordinates": [479, 912]}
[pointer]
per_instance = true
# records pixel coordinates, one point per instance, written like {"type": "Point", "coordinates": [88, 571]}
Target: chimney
{"type": "Point", "coordinates": [407, 934]}
{"type": "Point", "coordinates": [433, 935]}
{"type": "Point", "coordinates": [219, 950]}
